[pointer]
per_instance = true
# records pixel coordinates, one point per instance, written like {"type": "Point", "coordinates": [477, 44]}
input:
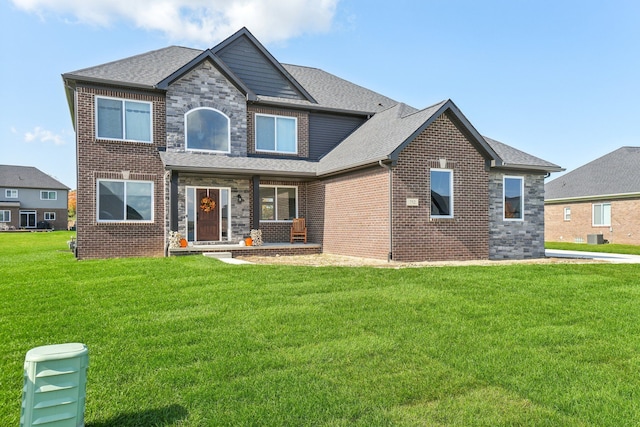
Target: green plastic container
{"type": "Point", "coordinates": [55, 382]}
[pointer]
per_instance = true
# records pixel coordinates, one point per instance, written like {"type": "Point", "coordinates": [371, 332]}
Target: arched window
{"type": "Point", "coordinates": [207, 129]}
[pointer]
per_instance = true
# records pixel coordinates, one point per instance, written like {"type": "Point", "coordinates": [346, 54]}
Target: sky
{"type": "Point", "coordinates": [557, 79]}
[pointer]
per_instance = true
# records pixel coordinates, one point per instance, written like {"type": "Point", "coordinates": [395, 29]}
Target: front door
{"type": "Point", "coordinates": [208, 214]}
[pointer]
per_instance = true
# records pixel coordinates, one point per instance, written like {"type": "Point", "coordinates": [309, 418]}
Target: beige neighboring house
{"type": "Point", "coordinates": [598, 202]}
{"type": "Point", "coordinates": [31, 199]}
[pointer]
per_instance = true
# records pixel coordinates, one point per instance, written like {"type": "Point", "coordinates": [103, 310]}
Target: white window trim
{"type": "Point", "coordinates": [451, 215]}
{"type": "Point", "coordinates": [567, 210]}
{"type": "Point", "coordinates": [124, 138]}
{"type": "Point", "coordinates": [55, 195]}
{"type": "Point", "coordinates": [275, 203]}
{"type": "Point", "coordinates": [124, 221]}
{"type": "Point", "coordinates": [8, 193]}
{"type": "Point", "coordinates": [504, 194]}
{"type": "Point", "coordinates": [186, 140]}
{"type": "Point", "coordinates": [49, 216]}
{"type": "Point", "coordinates": [2, 216]}
{"type": "Point", "coordinates": [295, 119]}
{"type": "Point", "coordinates": [593, 214]}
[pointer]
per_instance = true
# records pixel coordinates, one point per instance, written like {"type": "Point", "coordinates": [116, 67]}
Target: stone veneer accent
{"type": "Point", "coordinates": [205, 86]}
{"type": "Point", "coordinates": [516, 239]}
{"type": "Point", "coordinates": [239, 211]}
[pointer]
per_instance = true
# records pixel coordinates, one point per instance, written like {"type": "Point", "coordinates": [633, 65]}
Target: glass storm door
{"type": "Point", "coordinates": [28, 219]}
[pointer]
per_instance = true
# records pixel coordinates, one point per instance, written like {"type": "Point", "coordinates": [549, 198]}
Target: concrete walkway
{"type": "Point", "coordinates": [598, 256]}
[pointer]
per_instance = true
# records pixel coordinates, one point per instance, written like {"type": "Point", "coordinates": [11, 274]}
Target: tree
{"type": "Point", "coordinates": [72, 204]}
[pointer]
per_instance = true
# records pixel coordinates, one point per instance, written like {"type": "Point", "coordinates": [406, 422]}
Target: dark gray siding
{"type": "Point", "coordinates": [328, 130]}
{"type": "Point", "coordinates": [256, 71]}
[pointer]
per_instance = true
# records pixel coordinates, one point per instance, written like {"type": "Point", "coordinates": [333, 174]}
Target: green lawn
{"type": "Point", "coordinates": [190, 341]}
{"type": "Point", "coordinates": [608, 248]}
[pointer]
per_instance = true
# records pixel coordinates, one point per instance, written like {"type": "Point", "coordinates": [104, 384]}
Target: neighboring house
{"type": "Point", "coordinates": [599, 198]}
{"type": "Point", "coordinates": [30, 199]}
{"type": "Point", "coordinates": [215, 143]}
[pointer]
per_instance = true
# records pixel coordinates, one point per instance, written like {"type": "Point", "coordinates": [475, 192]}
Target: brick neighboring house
{"type": "Point", "coordinates": [161, 132]}
{"type": "Point", "coordinates": [601, 197]}
{"type": "Point", "coordinates": [30, 199]}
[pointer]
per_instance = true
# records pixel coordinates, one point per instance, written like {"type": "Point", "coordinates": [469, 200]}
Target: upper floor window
{"type": "Point", "coordinates": [120, 201]}
{"type": "Point", "coordinates": [11, 194]}
{"type": "Point", "coordinates": [567, 214]}
{"type": "Point", "coordinates": [5, 216]}
{"type": "Point", "coordinates": [277, 134]}
{"type": "Point", "coordinates": [513, 192]}
{"type": "Point", "coordinates": [278, 203]}
{"type": "Point", "coordinates": [602, 214]}
{"type": "Point", "coordinates": [122, 119]}
{"type": "Point", "coordinates": [48, 195]}
{"type": "Point", "coordinates": [441, 193]}
{"type": "Point", "coordinates": [207, 129]}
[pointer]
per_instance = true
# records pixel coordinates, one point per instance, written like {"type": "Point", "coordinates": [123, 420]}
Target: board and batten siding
{"type": "Point", "coordinates": [256, 71]}
{"type": "Point", "coordinates": [328, 130]}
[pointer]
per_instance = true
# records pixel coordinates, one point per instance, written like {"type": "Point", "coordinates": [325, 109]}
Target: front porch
{"type": "Point", "coordinates": [266, 249]}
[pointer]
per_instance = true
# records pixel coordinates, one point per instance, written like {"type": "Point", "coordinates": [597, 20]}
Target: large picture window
{"type": "Point", "coordinates": [513, 188]}
{"type": "Point", "coordinates": [276, 134]}
{"type": "Point", "coordinates": [441, 193]}
{"type": "Point", "coordinates": [278, 203]}
{"type": "Point", "coordinates": [120, 201]}
{"type": "Point", "coordinates": [121, 119]}
{"type": "Point", "coordinates": [602, 214]}
{"type": "Point", "coordinates": [207, 129]}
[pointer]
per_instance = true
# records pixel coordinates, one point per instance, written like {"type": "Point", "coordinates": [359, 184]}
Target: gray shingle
{"type": "Point", "coordinates": [27, 177]}
{"type": "Point", "coordinates": [613, 173]}
{"type": "Point", "coordinates": [512, 157]}
{"type": "Point", "coordinates": [147, 69]}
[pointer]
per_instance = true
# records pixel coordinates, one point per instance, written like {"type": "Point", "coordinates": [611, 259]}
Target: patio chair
{"type": "Point", "coordinates": [298, 230]}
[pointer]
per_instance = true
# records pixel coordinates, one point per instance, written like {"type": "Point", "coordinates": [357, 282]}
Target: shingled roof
{"type": "Point", "coordinates": [28, 177]}
{"type": "Point", "coordinates": [614, 174]}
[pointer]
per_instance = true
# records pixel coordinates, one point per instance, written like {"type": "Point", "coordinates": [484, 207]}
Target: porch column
{"type": "Point", "coordinates": [255, 202]}
{"type": "Point", "coordinates": [173, 200]}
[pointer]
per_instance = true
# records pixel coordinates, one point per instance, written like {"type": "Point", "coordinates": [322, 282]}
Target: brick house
{"type": "Point", "coordinates": [601, 197]}
{"type": "Point", "coordinates": [31, 199]}
{"type": "Point", "coordinates": [262, 142]}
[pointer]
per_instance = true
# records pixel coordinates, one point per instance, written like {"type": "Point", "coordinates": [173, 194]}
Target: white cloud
{"type": "Point", "coordinates": [43, 135]}
{"type": "Point", "coordinates": [202, 21]}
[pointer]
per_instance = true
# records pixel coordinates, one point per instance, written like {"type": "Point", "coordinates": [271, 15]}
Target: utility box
{"type": "Point", "coordinates": [595, 239]}
{"type": "Point", "coordinates": [55, 382]}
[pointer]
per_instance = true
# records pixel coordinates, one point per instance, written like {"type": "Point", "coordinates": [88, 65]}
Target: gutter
{"type": "Point", "coordinates": [598, 197]}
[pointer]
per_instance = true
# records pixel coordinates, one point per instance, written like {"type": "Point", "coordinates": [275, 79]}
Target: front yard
{"type": "Point", "coordinates": [190, 341]}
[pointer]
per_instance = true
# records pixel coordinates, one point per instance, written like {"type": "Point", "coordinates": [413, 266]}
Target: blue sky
{"type": "Point", "coordinates": [557, 79]}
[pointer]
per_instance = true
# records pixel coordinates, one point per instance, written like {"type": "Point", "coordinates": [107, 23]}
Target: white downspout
{"type": "Point", "coordinates": [390, 254]}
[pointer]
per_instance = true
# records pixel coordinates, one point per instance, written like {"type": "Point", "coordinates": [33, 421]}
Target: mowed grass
{"type": "Point", "coordinates": [190, 341]}
{"type": "Point", "coordinates": [608, 248]}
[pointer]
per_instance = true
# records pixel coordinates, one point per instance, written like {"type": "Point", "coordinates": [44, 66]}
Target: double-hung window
{"type": "Point", "coordinates": [122, 119]}
{"type": "Point", "coordinates": [441, 193]}
{"type": "Point", "coordinates": [48, 195]}
{"type": "Point", "coordinates": [513, 198]}
{"type": "Point", "coordinates": [49, 216]}
{"type": "Point", "coordinates": [123, 201]}
{"type": "Point", "coordinates": [602, 214]}
{"type": "Point", "coordinates": [5, 216]}
{"type": "Point", "coordinates": [278, 134]}
{"type": "Point", "coordinates": [278, 203]}
{"type": "Point", "coordinates": [567, 214]}
{"type": "Point", "coordinates": [11, 194]}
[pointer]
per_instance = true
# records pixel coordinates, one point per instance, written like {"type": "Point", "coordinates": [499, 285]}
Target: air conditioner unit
{"type": "Point", "coordinates": [595, 239]}
{"type": "Point", "coordinates": [54, 392]}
